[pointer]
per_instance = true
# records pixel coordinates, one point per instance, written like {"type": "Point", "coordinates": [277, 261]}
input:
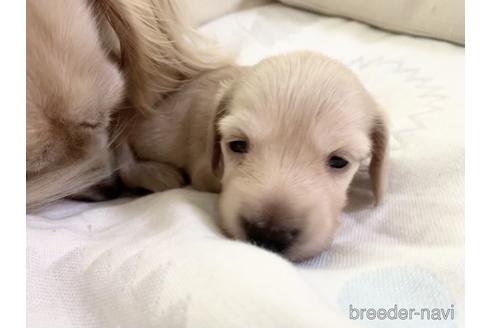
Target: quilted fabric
{"type": "Point", "coordinates": [440, 19]}
{"type": "Point", "coordinates": [160, 260]}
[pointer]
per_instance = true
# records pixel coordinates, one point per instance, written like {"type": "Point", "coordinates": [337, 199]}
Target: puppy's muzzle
{"type": "Point", "coordinates": [267, 235]}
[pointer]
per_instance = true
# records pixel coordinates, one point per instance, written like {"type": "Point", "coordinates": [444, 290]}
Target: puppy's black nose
{"type": "Point", "coordinates": [269, 236]}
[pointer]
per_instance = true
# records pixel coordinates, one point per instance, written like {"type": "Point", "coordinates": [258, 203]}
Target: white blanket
{"type": "Point", "coordinates": [160, 260]}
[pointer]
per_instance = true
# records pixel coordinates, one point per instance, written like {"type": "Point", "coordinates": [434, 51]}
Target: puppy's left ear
{"type": "Point", "coordinates": [378, 168]}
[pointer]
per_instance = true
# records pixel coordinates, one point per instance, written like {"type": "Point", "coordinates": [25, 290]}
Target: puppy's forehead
{"type": "Point", "coordinates": [304, 90]}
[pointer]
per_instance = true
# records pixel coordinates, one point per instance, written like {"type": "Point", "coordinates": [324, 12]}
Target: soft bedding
{"type": "Point", "coordinates": [161, 261]}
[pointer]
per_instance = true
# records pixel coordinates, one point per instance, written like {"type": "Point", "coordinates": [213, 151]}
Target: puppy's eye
{"type": "Point", "coordinates": [238, 146]}
{"type": "Point", "coordinates": [337, 162]}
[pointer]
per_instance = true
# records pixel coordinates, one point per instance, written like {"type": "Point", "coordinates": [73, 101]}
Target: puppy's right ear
{"type": "Point", "coordinates": [223, 101]}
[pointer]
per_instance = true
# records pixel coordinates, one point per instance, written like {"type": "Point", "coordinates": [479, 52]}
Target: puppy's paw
{"type": "Point", "coordinates": [160, 177]}
{"type": "Point", "coordinates": [152, 176]}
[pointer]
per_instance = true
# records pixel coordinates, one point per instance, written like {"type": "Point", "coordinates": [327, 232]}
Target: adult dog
{"type": "Point", "coordinates": [91, 66]}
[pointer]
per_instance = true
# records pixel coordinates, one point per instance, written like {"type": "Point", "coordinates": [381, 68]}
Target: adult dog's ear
{"type": "Point", "coordinates": [378, 168]}
{"type": "Point", "coordinates": [155, 46]}
{"type": "Point", "coordinates": [125, 46]}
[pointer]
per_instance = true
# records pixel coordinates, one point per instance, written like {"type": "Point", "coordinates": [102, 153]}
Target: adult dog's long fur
{"type": "Point", "coordinates": [92, 65]}
{"type": "Point", "coordinates": [152, 48]}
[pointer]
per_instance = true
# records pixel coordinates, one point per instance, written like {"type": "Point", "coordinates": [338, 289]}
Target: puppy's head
{"type": "Point", "coordinates": [292, 132]}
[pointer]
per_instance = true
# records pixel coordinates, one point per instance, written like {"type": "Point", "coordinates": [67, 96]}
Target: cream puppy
{"type": "Point", "coordinates": [281, 142]}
